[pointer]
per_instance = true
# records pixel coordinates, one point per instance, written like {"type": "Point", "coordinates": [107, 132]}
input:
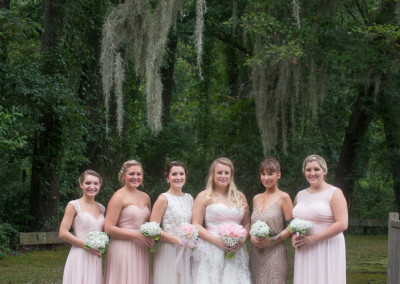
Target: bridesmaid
{"type": "Point", "coordinates": [274, 207]}
{"type": "Point", "coordinates": [84, 215]}
{"type": "Point", "coordinates": [127, 258]}
{"type": "Point", "coordinates": [320, 256]}
{"type": "Point", "coordinates": [221, 202]}
{"type": "Point", "coordinates": [172, 208]}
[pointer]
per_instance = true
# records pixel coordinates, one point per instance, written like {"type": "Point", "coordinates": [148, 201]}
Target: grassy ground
{"type": "Point", "coordinates": [366, 263]}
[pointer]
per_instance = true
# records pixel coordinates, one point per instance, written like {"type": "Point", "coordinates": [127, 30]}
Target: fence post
{"type": "Point", "coordinates": [393, 268]}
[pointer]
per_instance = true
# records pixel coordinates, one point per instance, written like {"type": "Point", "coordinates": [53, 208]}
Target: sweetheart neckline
{"type": "Point", "coordinates": [142, 209]}
{"type": "Point", "coordinates": [91, 214]}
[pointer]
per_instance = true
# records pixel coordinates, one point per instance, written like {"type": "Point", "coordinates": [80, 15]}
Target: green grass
{"type": "Point", "coordinates": [366, 263]}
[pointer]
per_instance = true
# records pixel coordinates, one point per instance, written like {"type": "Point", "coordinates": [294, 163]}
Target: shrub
{"type": "Point", "coordinates": [8, 239]}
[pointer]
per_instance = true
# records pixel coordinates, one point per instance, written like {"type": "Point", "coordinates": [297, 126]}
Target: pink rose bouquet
{"type": "Point", "coordinates": [231, 234]}
{"type": "Point", "coordinates": [188, 234]}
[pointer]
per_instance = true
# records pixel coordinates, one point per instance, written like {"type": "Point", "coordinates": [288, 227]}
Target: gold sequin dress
{"type": "Point", "coordinates": [271, 265]}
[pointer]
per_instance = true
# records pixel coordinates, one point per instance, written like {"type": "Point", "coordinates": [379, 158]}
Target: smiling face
{"type": "Point", "coordinates": [314, 173]}
{"type": "Point", "coordinates": [269, 179]}
{"type": "Point", "coordinates": [176, 177]}
{"type": "Point", "coordinates": [90, 186]}
{"type": "Point", "coordinates": [133, 176]}
{"type": "Point", "coordinates": [222, 176]}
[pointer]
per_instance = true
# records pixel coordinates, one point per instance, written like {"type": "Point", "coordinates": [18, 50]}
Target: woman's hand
{"type": "Point", "coordinates": [93, 251]}
{"type": "Point", "coordinates": [302, 241]}
{"type": "Point", "coordinates": [233, 249]}
{"type": "Point", "coordinates": [294, 237]}
{"type": "Point", "coordinates": [260, 242]}
{"type": "Point", "coordinates": [148, 241]}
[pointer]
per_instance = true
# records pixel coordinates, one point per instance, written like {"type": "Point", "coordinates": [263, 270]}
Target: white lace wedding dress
{"type": "Point", "coordinates": [172, 262]}
{"type": "Point", "coordinates": [210, 264]}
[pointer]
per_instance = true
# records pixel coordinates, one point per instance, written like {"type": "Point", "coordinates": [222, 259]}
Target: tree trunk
{"type": "Point", "coordinates": [358, 125]}
{"type": "Point", "coordinates": [5, 4]}
{"type": "Point", "coordinates": [47, 152]}
{"type": "Point", "coordinates": [94, 104]}
{"type": "Point", "coordinates": [389, 109]}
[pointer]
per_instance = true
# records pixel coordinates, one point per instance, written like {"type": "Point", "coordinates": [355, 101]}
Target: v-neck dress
{"type": "Point", "coordinates": [83, 267]}
{"type": "Point", "coordinates": [271, 264]}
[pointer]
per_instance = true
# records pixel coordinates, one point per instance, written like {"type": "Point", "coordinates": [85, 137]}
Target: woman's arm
{"type": "Point", "coordinates": [65, 226]}
{"type": "Point", "coordinates": [64, 233]}
{"type": "Point", "coordinates": [339, 209]}
{"type": "Point", "coordinates": [245, 223]}
{"type": "Point", "coordinates": [199, 210]}
{"type": "Point", "coordinates": [246, 217]}
{"type": "Point", "coordinates": [157, 214]}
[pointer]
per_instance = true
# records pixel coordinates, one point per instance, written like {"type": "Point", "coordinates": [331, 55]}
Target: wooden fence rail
{"type": "Point", "coordinates": [393, 268]}
{"type": "Point", "coordinates": [39, 238]}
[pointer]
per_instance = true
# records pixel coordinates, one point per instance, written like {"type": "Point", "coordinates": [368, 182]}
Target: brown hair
{"type": "Point", "coordinates": [270, 165]}
{"type": "Point", "coordinates": [91, 173]}
{"type": "Point", "coordinates": [174, 164]}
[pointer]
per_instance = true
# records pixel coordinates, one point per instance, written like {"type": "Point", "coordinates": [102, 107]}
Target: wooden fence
{"type": "Point", "coordinates": [39, 238]}
{"type": "Point", "coordinates": [393, 268]}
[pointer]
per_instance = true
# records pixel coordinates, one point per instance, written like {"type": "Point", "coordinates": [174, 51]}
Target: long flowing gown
{"type": "Point", "coordinates": [210, 264]}
{"type": "Point", "coordinates": [127, 261]}
{"type": "Point", "coordinates": [83, 267]}
{"type": "Point", "coordinates": [271, 265]}
{"type": "Point", "coordinates": [324, 261]}
{"type": "Point", "coordinates": [172, 262]}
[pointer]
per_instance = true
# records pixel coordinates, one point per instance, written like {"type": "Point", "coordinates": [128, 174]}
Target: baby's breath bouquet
{"type": "Point", "coordinates": [260, 229]}
{"type": "Point", "coordinates": [151, 229]}
{"type": "Point", "coordinates": [299, 226]}
{"type": "Point", "coordinates": [97, 240]}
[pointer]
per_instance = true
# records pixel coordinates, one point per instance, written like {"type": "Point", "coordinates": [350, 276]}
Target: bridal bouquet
{"type": "Point", "coordinates": [260, 229]}
{"type": "Point", "coordinates": [299, 226]}
{"type": "Point", "coordinates": [97, 240]}
{"type": "Point", "coordinates": [151, 229]}
{"type": "Point", "coordinates": [187, 234]}
{"type": "Point", "coordinates": [231, 234]}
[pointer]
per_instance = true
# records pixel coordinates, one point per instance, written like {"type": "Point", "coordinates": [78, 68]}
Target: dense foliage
{"type": "Point", "coordinates": [329, 75]}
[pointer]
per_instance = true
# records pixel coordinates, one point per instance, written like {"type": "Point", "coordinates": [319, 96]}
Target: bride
{"type": "Point", "coordinates": [220, 203]}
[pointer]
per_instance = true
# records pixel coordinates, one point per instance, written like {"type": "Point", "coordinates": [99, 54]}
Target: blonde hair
{"type": "Point", "coordinates": [315, 158]}
{"type": "Point", "coordinates": [125, 166]}
{"type": "Point", "coordinates": [233, 193]}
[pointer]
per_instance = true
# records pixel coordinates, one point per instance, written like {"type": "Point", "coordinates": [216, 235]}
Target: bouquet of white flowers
{"type": "Point", "coordinates": [299, 226]}
{"type": "Point", "coordinates": [188, 234]}
{"type": "Point", "coordinates": [231, 234]}
{"type": "Point", "coordinates": [260, 229]}
{"type": "Point", "coordinates": [151, 229]}
{"type": "Point", "coordinates": [97, 240]}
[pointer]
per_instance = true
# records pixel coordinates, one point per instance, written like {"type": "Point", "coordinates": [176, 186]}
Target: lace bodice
{"type": "Point", "coordinates": [179, 210]}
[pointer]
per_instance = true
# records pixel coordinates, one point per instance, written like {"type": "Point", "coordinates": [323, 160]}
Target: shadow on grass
{"type": "Point", "coordinates": [366, 263]}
